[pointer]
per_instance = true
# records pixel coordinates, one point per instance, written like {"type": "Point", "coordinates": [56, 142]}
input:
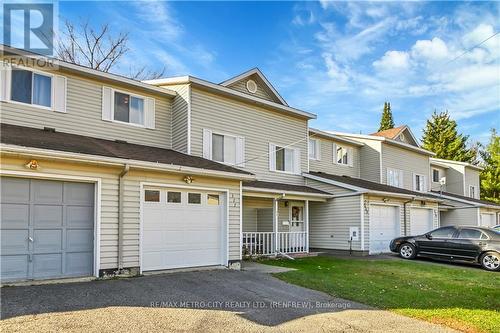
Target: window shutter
{"type": "Point", "coordinates": [334, 153]}
{"type": "Point", "coordinates": [272, 157]}
{"type": "Point", "coordinates": [296, 161]}
{"type": "Point", "coordinates": [240, 151]}
{"type": "Point", "coordinates": [349, 156]}
{"type": "Point", "coordinates": [318, 150]}
{"type": "Point", "coordinates": [5, 75]}
{"type": "Point", "coordinates": [107, 103]}
{"type": "Point", "coordinates": [149, 113]}
{"type": "Point", "coordinates": [207, 144]}
{"type": "Point", "coordinates": [60, 90]}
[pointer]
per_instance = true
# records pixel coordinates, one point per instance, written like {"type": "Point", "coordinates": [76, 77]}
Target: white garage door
{"type": "Point", "coordinates": [182, 228]}
{"type": "Point", "coordinates": [384, 226]}
{"type": "Point", "coordinates": [421, 221]}
{"type": "Point", "coordinates": [488, 220]}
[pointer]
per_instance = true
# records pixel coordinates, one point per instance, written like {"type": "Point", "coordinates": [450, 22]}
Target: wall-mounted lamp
{"type": "Point", "coordinates": [188, 179]}
{"type": "Point", "coordinates": [422, 203]}
{"type": "Point", "coordinates": [286, 203]}
{"type": "Point", "coordinates": [385, 200]}
{"type": "Point", "coordinates": [32, 165]}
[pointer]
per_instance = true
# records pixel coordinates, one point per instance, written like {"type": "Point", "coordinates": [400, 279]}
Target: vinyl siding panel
{"type": "Point", "coordinates": [84, 115]}
{"type": "Point", "coordinates": [435, 186]}
{"type": "Point", "coordinates": [327, 162]}
{"type": "Point", "coordinates": [256, 214]}
{"type": "Point", "coordinates": [333, 189]}
{"type": "Point", "coordinates": [261, 92]}
{"type": "Point", "coordinates": [455, 179]}
{"type": "Point", "coordinates": [459, 217]}
{"type": "Point", "coordinates": [472, 179]}
{"type": "Point", "coordinates": [259, 126]}
{"type": "Point", "coordinates": [408, 161]}
{"type": "Point", "coordinates": [180, 110]}
{"type": "Point", "coordinates": [496, 212]}
{"type": "Point", "coordinates": [369, 161]}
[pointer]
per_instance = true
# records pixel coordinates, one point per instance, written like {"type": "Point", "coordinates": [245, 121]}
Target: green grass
{"type": "Point", "coordinates": [463, 298]}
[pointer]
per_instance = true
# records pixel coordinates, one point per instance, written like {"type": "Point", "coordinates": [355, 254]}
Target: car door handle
{"type": "Point", "coordinates": [482, 243]}
{"type": "Point", "coordinates": [30, 239]}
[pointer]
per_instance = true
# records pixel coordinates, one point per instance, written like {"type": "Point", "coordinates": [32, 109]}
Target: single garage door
{"type": "Point", "coordinates": [47, 229]}
{"type": "Point", "coordinates": [182, 228]}
{"type": "Point", "coordinates": [488, 220]}
{"type": "Point", "coordinates": [421, 221]}
{"type": "Point", "coordinates": [384, 226]}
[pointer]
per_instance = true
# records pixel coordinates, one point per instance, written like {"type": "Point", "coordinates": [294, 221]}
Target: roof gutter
{"type": "Point", "coordinates": [121, 194]}
{"type": "Point", "coordinates": [284, 193]}
{"type": "Point", "coordinates": [119, 162]}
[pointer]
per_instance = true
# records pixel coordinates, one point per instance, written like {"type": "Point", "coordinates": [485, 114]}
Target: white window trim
{"type": "Point", "coordinates": [475, 191]}
{"type": "Point", "coordinates": [401, 177]}
{"type": "Point", "coordinates": [37, 71]}
{"type": "Point", "coordinates": [317, 152]}
{"type": "Point", "coordinates": [415, 182]}
{"type": "Point", "coordinates": [240, 164]}
{"type": "Point", "coordinates": [295, 150]}
{"type": "Point", "coordinates": [432, 175]}
{"type": "Point", "coordinates": [350, 157]}
{"type": "Point", "coordinates": [131, 94]}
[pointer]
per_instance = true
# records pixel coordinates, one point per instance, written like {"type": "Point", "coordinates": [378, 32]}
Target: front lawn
{"type": "Point", "coordinates": [463, 298]}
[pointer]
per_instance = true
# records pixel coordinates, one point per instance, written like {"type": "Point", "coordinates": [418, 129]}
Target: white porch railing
{"type": "Point", "coordinates": [264, 243]}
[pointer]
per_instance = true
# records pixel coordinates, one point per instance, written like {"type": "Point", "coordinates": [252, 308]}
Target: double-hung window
{"type": "Point", "coordinates": [394, 177]}
{"type": "Point", "coordinates": [435, 176]}
{"type": "Point", "coordinates": [342, 155]}
{"type": "Point", "coordinates": [472, 191]}
{"type": "Point", "coordinates": [314, 149]}
{"type": "Point", "coordinates": [31, 88]}
{"type": "Point", "coordinates": [284, 159]}
{"type": "Point", "coordinates": [128, 108]}
{"type": "Point", "coordinates": [419, 183]}
{"type": "Point", "coordinates": [224, 148]}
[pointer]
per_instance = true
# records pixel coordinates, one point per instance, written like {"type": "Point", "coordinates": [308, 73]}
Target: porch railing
{"type": "Point", "coordinates": [264, 243]}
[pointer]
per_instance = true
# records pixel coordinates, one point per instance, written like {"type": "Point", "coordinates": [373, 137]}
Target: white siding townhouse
{"type": "Point", "coordinates": [100, 174]}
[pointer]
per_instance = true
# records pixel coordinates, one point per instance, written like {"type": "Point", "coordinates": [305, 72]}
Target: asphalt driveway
{"type": "Point", "coordinates": [191, 301]}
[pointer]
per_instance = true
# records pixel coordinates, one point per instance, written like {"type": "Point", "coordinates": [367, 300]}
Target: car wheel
{"type": "Point", "coordinates": [407, 251]}
{"type": "Point", "coordinates": [490, 261]}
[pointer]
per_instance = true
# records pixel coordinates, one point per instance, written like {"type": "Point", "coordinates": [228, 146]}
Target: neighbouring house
{"type": "Point", "coordinates": [103, 175]}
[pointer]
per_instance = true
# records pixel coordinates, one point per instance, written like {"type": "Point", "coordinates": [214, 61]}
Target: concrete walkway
{"type": "Point", "coordinates": [252, 266]}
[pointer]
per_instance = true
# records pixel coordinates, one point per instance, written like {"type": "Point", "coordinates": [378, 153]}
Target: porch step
{"type": "Point", "coordinates": [303, 255]}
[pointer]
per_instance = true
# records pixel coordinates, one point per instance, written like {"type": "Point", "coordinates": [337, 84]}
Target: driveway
{"type": "Point", "coordinates": [191, 301]}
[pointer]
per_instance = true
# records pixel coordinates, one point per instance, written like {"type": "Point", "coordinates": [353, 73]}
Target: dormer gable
{"type": "Point", "coordinates": [254, 83]}
{"type": "Point", "coordinates": [400, 133]}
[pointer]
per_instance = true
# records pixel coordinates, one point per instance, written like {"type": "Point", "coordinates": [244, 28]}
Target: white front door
{"type": "Point", "coordinates": [384, 226]}
{"type": "Point", "coordinates": [182, 228]}
{"type": "Point", "coordinates": [421, 221]}
{"type": "Point", "coordinates": [296, 216]}
{"type": "Point", "coordinates": [488, 220]}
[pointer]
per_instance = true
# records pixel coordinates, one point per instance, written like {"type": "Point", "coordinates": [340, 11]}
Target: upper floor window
{"type": "Point", "coordinates": [394, 177]}
{"type": "Point", "coordinates": [124, 107]}
{"type": "Point", "coordinates": [31, 88]}
{"type": "Point", "coordinates": [342, 155]}
{"type": "Point", "coordinates": [472, 191]}
{"type": "Point", "coordinates": [436, 177]}
{"type": "Point", "coordinates": [223, 148]}
{"type": "Point", "coordinates": [284, 159]}
{"type": "Point", "coordinates": [314, 149]}
{"type": "Point", "coordinates": [128, 108]}
{"type": "Point", "coordinates": [419, 183]}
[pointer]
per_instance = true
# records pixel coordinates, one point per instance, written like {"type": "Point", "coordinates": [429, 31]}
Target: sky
{"type": "Point", "coordinates": [339, 60]}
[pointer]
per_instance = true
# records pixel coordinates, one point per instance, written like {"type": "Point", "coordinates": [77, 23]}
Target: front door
{"type": "Point", "coordinates": [296, 217]}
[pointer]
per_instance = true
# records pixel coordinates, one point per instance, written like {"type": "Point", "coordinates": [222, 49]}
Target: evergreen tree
{"type": "Point", "coordinates": [386, 122]}
{"type": "Point", "coordinates": [490, 176]}
{"type": "Point", "coordinates": [441, 137]}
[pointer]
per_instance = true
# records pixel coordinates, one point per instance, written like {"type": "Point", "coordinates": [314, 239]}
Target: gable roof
{"type": "Point", "coordinates": [73, 143]}
{"type": "Point", "coordinates": [362, 185]}
{"type": "Point", "coordinates": [396, 132]}
{"type": "Point", "coordinates": [319, 133]}
{"type": "Point", "coordinates": [442, 162]}
{"type": "Point", "coordinates": [463, 198]}
{"type": "Point", "coordinates": [256, 72]}
{"type": "Point", "coordinates": [282, 187]}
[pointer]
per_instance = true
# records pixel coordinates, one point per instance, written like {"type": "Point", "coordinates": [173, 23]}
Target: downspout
{"type": "Point", "coordinates": [404, 213]}
{"type": "Point", "coordinates": [121, 190]}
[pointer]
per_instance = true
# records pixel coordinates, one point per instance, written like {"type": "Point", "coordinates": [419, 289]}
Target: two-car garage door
{"type": "Point", "coordinates": [182, 228]}
{"type": "Point", "coordinates": [47, 229]}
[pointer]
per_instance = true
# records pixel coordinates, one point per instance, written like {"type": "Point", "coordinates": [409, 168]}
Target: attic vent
{"type": "Point", "coordinates": [252, 86]}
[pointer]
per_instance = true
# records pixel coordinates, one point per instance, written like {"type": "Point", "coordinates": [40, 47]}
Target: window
{"type": "Point", "coordinates": [284, 159]}
{"type": "Point", "coordinates": [224, 148]}
{"type": "Point", "coordinates": [314, 149]}
{"type": "Point", "coordinates": [446, 232]}
{"type": "Point", "coordinates": [129, 109]}
{"type": "Point", "coordinates": [194, 198]}
{"type": "Point", "coordinates": [394, 177]}
{"type": "Point", "coordinates": [151, 196]}
{"type": "Point", "coordinates": [419, 183]}
{"type": "Point", "coordinates": [31, 88]}
{"type": "Point", "coordinates": [472, 191]}
{"type": "Point", "coordinates": [213, 199]}
{"type": "Point", "coordinates": [435, 176]}
{"type": "Point", "coordinates": [174, 197]}
{"type": "Point", "coordinates": [471, 234]}
{"type": "Point", "coordinates": [342, 155]}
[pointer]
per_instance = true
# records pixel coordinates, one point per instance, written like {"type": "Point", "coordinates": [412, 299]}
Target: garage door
{"type": "Point", "coordinates": [421, 221]}
{"type": "Point", "coordinates": [47, 229]}
{"type": "Point", "coordinates": [182, 229]}
{"type": "Point", "coordinates": [384, 226]}
{"type": "Point", "coordinates": [488, 220]}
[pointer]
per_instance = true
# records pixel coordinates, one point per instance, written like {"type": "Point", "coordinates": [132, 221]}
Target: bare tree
{"type": "Point", "coordinates": [99, 49]}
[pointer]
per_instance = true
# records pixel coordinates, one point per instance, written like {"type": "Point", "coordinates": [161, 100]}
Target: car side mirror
{"type": "Point", "coordinates": [428, 236]}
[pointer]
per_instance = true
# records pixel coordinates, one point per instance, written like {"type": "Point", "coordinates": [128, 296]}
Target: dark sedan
{"type": "Point", "coordinates": [469, 244]}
